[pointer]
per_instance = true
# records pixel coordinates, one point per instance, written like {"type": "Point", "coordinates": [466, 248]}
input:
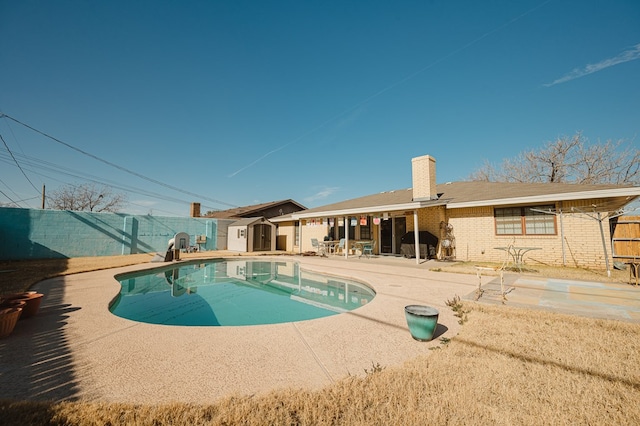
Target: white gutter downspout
{"type": "Point", "coordinates": [604, 245]}
{"type": "Point", "coordinates": [416, 234]}
{"type": "Point", "coordinates": [564, 255]}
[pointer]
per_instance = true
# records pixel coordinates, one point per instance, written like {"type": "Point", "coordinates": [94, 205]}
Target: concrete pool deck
{"type": "Point", "coordinates": [75, 349]}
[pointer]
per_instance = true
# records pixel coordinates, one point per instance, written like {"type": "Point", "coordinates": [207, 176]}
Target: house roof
{"type": "Point", "coordinates": [248, 221]}
{"type": "Point", "coordinates": [253, 210]}
{"type": "Point", "coordinates": [477, 194]}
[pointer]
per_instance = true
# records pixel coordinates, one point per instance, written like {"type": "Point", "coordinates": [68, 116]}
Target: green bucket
{"type": "Point", "coordinates": [422, 321]}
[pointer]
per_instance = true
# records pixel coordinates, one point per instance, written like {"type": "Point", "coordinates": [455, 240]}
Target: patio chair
{"type": "Point", "coordinates": [339, 247]}
{"type": "Point", "coordinates": [500, 269]}
{"type": "Point", "coordinates": [368, 248]}
{"type": "Point", "coordinates": [315, 245]}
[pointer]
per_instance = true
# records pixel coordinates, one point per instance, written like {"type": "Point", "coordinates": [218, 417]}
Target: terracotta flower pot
{"type": "Point", "coordinates": [8, 319]}
{"type": "Point", "coordinates": [16, 303]}
{"type": "Point", "coordinates": [32, 300]}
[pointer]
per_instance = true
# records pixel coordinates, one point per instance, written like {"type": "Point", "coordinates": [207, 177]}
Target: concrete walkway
{"type": "Point", "coordinates": [589, 299]}
{"type": "Point", "coordinates": [76, 349]}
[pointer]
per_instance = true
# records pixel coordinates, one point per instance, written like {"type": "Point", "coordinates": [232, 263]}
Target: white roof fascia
{"type": "Point", "coordinates": [247, 222]}
{"type": "Point", "coordinates": [547, 198]}
{"type": "Point", "coordinates": [284, 218]}
{"type": "Point", "coordinates": [363, 210]}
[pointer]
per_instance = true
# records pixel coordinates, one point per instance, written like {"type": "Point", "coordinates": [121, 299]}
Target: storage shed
{"type": "Point", "coordinates": [252, 234]}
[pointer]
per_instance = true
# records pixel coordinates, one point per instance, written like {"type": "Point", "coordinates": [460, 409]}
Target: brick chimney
{"type": "Point", "coordinates": [423, 171]}
{"type": "Point", "coordinates": [195, 209]}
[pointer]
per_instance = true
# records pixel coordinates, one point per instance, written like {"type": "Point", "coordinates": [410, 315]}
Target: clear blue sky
{"type": "Point", "coordinates": [246, 102]}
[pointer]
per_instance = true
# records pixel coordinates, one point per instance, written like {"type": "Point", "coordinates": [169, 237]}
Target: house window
{"type": "Point", "coordinates": [297, 234]}
{"type": "Point", "coordinates": [525, 221]}
{"type": "Point", "coordinates": [365, 230]}
{"type": "Point", "coordinates": [351, 223]}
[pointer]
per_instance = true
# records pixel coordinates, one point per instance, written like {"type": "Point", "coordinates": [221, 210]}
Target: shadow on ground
{"type": "Point", "coordinates": [36, 363]}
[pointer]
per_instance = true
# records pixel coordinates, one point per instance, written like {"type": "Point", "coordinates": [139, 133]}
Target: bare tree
{"type": "Point", "coordinates": [86, 197]}
{"type": "Point", "coordinates": [569, 160]}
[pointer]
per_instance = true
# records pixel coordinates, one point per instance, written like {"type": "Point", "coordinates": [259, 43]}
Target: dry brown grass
{"type": "Point", "coordinates": [538, 270]}
{"type": "Point", "coordinates": [506, 366]}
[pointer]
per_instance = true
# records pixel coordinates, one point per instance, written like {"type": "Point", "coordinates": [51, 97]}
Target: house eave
{"type": "Point", "coordinates": [368, 210]}
{"type": "Point", "coordinates": [548, 198]}
{"type": "Point", "coordinates": [630, 192]}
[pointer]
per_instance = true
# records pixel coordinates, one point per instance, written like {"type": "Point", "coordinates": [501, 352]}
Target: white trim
{"type": "Point", "coordinates": [416, 237]}
{"type": "Point", "coordinates": [546, 198]}
{"type": "Point", "coordinates": [373, 209]}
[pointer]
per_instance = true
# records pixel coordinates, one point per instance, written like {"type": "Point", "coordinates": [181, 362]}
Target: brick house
{"type": "Point", "coordinates": [473, 218]}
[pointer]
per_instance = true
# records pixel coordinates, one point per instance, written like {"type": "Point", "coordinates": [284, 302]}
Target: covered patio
{"type": "Point", "coordinates": [348, 231]}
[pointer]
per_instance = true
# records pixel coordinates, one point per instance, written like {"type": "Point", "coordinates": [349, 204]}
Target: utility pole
{"type": "Point", "coordinates": [43, 197]}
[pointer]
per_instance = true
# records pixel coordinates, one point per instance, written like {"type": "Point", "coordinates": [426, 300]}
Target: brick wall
{"type": "Point", "coordinates": [476, 240]}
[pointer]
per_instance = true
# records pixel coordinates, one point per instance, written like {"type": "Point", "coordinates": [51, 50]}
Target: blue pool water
{"type": "Point", "coordinates": [235, 292]}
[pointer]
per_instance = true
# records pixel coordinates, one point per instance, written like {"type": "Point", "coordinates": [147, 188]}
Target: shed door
{"type": "Point", "coordinates": [261, 237]}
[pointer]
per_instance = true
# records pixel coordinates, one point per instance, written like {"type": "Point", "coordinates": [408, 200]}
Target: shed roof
{"type": "Point", "coordinates": [248, 221]}
{"type": "Point", "coordinates": [252, 210]}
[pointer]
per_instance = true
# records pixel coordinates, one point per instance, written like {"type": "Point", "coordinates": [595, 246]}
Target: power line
{"type": "Point", "coordinates": [18, 164]}
{"type": "Point", "coordinates": [14, 202]}
{"type": "Point", "coordinates": [43, 165]}
{"type": "Point", "coordinates": [28, 199]}
{"type": "Point", "coordinates": [109, 163]}
{"type": "Point", "coordinates": [14, 193]}
{"type": "Point", "coordinates": [51, 167]}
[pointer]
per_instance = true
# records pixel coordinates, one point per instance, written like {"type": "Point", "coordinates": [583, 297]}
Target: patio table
{"type": "Point", "coordinates": [358, 245]}
{"type": "Point", "coordinates": [517, 254]}
{"type": "Point", "coordinates": [326, 247]}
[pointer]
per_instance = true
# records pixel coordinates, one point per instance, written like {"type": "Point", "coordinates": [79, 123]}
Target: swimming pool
{"type": "Point", "coordinates": [228, 292]}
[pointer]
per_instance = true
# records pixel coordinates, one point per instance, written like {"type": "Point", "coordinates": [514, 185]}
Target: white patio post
{"type": "Point", "coordinates": [300, 237]}
{"type": "Point", "coordinates": [346, 237]}
{"type": "Point", "coordinates": [416, 234]}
